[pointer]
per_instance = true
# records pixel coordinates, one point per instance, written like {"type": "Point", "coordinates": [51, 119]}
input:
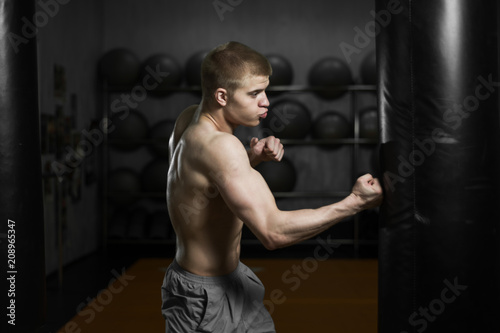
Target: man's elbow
{"type": "Point", "coordinates": [269, 245]}
{"type": "Point", "coordinates": [273, 242]}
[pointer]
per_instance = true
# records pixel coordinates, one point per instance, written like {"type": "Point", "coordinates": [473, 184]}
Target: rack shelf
{"type": "Point", "coordinates": [290, 88]}
{"type": "Point", "coordinates": [137, 142]}
{"type": "Point", "coordinates": [310, 194]}
{"type": "Point", "coordinates": [160, 195]}
{"type": "Point", "coordinates": [345, 241]}
{"type": "Point", "coordinates": [295, 142]}
{"type": "Point", "coordinates": [138, 195]}
{"type": "Point", "coordinates": [320, 142]}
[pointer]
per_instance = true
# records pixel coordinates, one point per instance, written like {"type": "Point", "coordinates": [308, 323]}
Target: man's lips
{"type": "Point", "coordinates": [264, 115]}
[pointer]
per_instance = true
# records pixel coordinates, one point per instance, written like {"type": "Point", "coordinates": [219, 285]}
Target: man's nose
{"type": "Point", "coordinates": [265, 101]}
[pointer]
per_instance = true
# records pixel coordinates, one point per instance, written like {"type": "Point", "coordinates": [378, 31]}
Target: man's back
{"type": "Point", "coordinates": [208, 233]}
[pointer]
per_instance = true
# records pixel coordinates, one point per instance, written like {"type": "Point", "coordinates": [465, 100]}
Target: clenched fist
{"type": "Point", "coordinates": [367, 192]}
{"type": "Point", "coordinates": [267, 149]}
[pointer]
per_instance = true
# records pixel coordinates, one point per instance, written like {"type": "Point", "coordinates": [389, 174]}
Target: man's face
{"type": "Point", "coordinates": [248, 104]}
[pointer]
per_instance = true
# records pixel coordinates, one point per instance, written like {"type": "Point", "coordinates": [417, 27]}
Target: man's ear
{"type": "Point", "coordinates": [221, 96]}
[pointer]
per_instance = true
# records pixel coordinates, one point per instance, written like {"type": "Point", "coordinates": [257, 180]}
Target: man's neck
{"type": "Point", "coordinates": [216, 118]}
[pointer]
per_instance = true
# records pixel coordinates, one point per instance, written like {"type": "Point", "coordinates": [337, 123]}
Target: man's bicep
{"type": "Point", "coordinates": [246, 192]}
{"type": "Point", "coordinates": [248, 196]}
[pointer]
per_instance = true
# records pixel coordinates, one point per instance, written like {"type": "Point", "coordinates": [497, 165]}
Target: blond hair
{"type": "Point", "coordinates": [228, 66]}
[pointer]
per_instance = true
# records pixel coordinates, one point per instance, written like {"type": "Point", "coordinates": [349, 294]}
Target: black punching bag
{"type": "Point", "coordinates": [22, 258]}
{"type": "Point", "coordinates": [438, 82]}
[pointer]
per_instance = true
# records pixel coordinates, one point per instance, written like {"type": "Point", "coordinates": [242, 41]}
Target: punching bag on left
{"type": "Point", "coordinates": [22, 259]}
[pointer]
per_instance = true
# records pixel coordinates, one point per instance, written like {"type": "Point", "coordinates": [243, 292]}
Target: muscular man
{"type": "Point", "coordinates": [213, 189]}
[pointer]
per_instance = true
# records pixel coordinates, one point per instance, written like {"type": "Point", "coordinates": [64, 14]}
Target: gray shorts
{"type": "Point", "coordinates": [229, 303]}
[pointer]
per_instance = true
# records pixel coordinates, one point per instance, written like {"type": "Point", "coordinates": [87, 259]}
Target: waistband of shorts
{"type": "Point", "coordinates": [222, 279]}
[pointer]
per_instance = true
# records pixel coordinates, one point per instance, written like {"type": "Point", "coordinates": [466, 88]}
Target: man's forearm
{"type": "Point", "coordinates": [295, 226]}
{"type": "Point", "coordinates": [254, 160]}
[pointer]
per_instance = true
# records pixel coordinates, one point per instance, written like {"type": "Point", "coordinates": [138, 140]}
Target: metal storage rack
{"type": "Point", "coordinates": [356, 142]}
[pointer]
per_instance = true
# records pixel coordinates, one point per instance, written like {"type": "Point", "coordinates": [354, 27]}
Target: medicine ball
{"type": "Point", "coordinates": [331, 125]}
{"type": "Point", "coordinates": [193, 68]}
{"type": "Point", "coordinates": [288, 119]}
{"type": "Point", "coordinates": [123, 185]}
{"type": "Point", "coordinates": [330, 72]}
{"type": "Point", "coordinates": [154, 177]}
{"type": "Point", "coordinates": [127, 128]}
{"type": "Point", "coordinates": [279, 176]}
{"type": "Point", "coordinates": [161, 72]}
{"type": "Point", "coordinates": [368, 68]}
{"type": "Point", "coordinates": [368, 123]}
{"type": "Point", "coordinates": [282, 70]}
{"type": "Point", "coordinates": [161, 133]}
{"type": "Point", "coordinates": [120, 67]}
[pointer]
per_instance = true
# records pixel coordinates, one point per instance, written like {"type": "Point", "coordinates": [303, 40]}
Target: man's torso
{"type": "Point", "coordinates": [208, 233]}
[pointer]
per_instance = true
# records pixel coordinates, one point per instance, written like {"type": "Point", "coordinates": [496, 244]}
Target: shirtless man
{"type": "Point", "coordinates": [213, 189]}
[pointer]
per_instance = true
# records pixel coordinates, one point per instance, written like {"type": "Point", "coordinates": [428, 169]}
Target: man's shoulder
{"type": "Point", "coordinates": [225, 144]}
{"type": "Point", "coordinates": [223, 139]}
{"type": "Point", "coordinates": [187, 114]}
{"type": "Point", "coordinates": [183, 121]}
{"type": "Point", "coordinates": [216, 149]}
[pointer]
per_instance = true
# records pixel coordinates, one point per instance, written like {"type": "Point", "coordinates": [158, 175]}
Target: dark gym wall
{"type": "Point", "coordinates": [71, 38]}
{"type": "Point", "coordinates": [304, 31]}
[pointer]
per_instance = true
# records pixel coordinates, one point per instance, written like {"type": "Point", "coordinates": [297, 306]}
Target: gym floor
{"type": "Point", "coordinates": [64, 298]}
{"type": "Point", "coordinates": [334, 293]}
{"type": "Point", "coordinates": [347, 285]}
